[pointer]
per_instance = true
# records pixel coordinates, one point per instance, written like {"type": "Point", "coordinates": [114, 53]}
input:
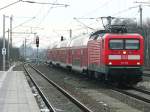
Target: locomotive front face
{"type": "Point", "coordinates": [124, 51]}
{"type": "Point", "coordinates": [124, 57]}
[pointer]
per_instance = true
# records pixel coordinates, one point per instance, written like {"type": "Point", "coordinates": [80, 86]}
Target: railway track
{"type": "Point", "coordinates": [73, 100]}
{"type": "Point", "coordinates": [131, 96]}
{"type": "Point", "coordinates": [137, 93]}
{"type": "Point", "coordinates": [146, 72]}
{"type": "Point", "coordinates": [146, 75]}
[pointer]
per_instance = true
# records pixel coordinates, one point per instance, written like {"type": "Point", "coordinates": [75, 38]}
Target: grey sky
{"type": "Point", "coordinates": [56, 21]}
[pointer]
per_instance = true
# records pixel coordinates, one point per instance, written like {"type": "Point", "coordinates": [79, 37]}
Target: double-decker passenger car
{"type": "Point", "coordinates": [108, 55]}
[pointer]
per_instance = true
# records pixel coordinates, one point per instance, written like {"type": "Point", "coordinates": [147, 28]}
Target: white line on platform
{"type": "Point", "coordinates": [4, 75]}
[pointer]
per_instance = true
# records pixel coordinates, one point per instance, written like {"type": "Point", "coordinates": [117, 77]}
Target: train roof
{"type": "Point", "coordinates": [55, 45]}
{"type": "Point", "coordinates": [83, 39]}
{"type": "Point", "coordinates": [111, 29]}
{"type": "Point", "coordinates": [124, 34]}
{"type": "Point", "coordinates": [60, 44]}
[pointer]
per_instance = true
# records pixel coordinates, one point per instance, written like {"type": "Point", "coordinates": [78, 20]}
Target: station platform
{"type": "Point", "coordinates": [15, 93]}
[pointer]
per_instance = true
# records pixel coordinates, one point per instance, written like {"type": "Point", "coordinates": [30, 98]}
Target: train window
{"type": "Point", "coordinates": [116, 44]}
{"type": "Point", "coordinates": [132, 44]}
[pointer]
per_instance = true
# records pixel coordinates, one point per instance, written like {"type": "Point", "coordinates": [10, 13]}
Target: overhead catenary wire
{"type": "Point", "coordinates": [48, 11]}
{"type": "Point", "coordinates": [130, 8]}
{"type": "Point", "coordinates": [33, 2]}
{"type": "Point", "coordinates": [83, 23]}
{"type": "Point", "coordinates": [25, 33]}
{"type": "Point", "coordinates": [44, 3]}
{"type": "Point", "coordinates": [30, 2]}
{"type": "Point", "coordinates": [119, 12]}
{"type": "Point", "coordinates": [97, 8]}
{"type": "Point", "coordinates": [142, 2]}
{"type": "Point", "coordinates": [24, 23]}
{"type": "Point", "coordinates": [54, 6]}
{"type": "Point", "coordinates": [65, 32]}
{"type": "Point", "coordinates": [10, 4]}
{"type": "Point", "coordinates": [124, 10]}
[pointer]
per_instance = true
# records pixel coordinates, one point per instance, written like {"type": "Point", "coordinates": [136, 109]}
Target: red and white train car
{"type": "Point", "coordinates": [113, 56]}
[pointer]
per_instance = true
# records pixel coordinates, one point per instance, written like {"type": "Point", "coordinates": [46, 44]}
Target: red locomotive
{"type": "Point", "coordinates": [111, 55]}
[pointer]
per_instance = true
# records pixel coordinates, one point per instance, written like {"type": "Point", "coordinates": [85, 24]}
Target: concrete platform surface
{"type": "Point", "coordinates": [15, 93]}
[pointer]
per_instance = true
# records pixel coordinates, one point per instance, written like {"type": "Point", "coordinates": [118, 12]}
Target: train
{"type": "Point", "coordinates": [114, 55]}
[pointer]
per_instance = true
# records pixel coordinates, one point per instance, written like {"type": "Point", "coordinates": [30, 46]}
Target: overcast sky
{"type": "Point", "coordinates": [50, 22]}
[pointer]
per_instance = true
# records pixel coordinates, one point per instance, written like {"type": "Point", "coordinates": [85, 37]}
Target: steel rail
{"type": "Point", "coordinates": [133, 95]}
{"type": "Point", "coordinates": [146, 75]}
{"type": "Point", "coordinates": [70, 97]}
{"type": "Point", "coordinates": [142, 90]}
{"type": "Point", "coordinates": [47, 103]}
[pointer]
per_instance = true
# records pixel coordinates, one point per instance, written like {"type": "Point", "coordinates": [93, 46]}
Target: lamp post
{"type": "Point", "coordinates": [4, 49]}
{"type": "Point", "coordinates": [8, 49]}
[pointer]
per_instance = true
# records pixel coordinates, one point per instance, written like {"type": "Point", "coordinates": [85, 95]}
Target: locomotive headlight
{"type": "Point", "coordinates": [124, 52]}
{"type": "Point", "coordinates": [110, 63]}
{"type": "Point", "coordinates": [138, 63]}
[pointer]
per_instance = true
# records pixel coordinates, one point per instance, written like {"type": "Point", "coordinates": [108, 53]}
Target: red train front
{"type": "Point", "coordinates": [123, 57]}
{"type": "Point", "coordinates": [108, 55]}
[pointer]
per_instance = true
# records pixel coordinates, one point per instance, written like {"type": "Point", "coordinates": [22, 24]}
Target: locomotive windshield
{"type": "Point", "coordinates": [116, 44]}
{"type": "Point", "coordinates": [124, 44]}
{"type": "Point", "coordinates": [132, 44]}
